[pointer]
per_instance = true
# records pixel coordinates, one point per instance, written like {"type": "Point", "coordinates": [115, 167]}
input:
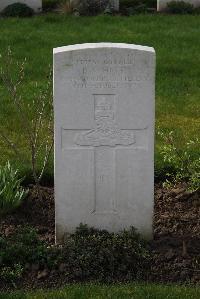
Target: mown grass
{"type": "Point", "coordinates": [176, 40]}
{"type": "Point", "coordinates": [92, 291]}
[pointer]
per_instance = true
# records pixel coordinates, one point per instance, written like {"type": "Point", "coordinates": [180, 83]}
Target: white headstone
{"type": "Point", "coordinates": [115, 4]}
{"type": "Point", "coordinates": [36, 5]}
{"type": "Point", "coordinates": [162, 4]}
{"type": "Point", "coordinates": [104, 137]}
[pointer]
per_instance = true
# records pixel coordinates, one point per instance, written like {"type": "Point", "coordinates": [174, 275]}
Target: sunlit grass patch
{"type": "Point", "coordinates": [118, 291]}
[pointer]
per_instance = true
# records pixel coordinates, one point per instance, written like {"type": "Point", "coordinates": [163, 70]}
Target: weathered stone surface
{"type": "Point", "coordinates": [36, 5]}
{"type": "Point", "coordinates": [162, 4]}
{"type": "Point", "coordinates": [115, 4]}
{"type": "Point", "coordinates": [104, 136]}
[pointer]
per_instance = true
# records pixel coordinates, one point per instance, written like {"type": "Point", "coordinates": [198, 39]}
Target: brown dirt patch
{"type": "Point", "coordinates": [35, 212]}
{"type": "Point", "coordinates": [175, 248]}
{"type": "Point", "coordinates": [176, 244]}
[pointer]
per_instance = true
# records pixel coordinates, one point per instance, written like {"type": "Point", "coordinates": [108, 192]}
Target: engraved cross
{"type": "Point", "coordinates": [105, 138]}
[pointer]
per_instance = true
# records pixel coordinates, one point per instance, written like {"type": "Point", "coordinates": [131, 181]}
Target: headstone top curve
{"type": "Point", "coordinates": [102, 45]}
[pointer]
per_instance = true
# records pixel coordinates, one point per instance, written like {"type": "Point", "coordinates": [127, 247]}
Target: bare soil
{"type": "Point", "coordinates": [176, 244]}
{"type": "Point", "coordinates": [175, 247]}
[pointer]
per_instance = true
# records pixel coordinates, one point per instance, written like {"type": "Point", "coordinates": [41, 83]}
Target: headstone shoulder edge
{"type": "Point", "coordinates": [85, 46]}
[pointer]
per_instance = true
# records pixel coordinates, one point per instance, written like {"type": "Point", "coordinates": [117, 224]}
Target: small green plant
{"type": "Point", "coordinates": [18, 10]}
{"type": "Point", "coordinates": [136, 10]}
{"type": "Point", "coordinates": [48, 5]}
{"type": "Point", "coordinates": [88, 254]}
{"type": "Point", "coordinates": [34, 114]}
{"type": "Point", "coordinates": [89, 7]}
{"type": "Point", "coordinates": [185, 163]}
{"type": "Point", "coordinates": [106, 256]}
{"type": "Point", "coordinates": [180, 7]}
{"type": "Point", "coordinates": [22, 247]}
{"type": "Point", "coordinates": [11, 191]}
{"type": "Point", "coordinates": [11, 274]}
{"type": "Point", "coordinates": [131, 7]}
{"type": "Point", "coordinates": [197, 10]}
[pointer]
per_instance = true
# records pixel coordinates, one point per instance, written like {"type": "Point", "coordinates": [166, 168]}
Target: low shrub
{"type": "Point", "coordinates": [197, 10]}
{"type": "Point", "coordinates": [11, 274]}
{"type": "Point", "coordinates": [17, 250]}
{"type": "Point", "coordinates": [133, 3]}
{"type": "Point", "coordinates": [89, 7]}
{"type": "Point", "coordinates": [98, 254]}
{"type": "Point", "coordinates": [180, 7]}
{"type": "Point", "coordinates": [21, 248]}
{"type": "Point", "coordinates": [135, 10]}
{"type": "Point", "coordinates": [11, 192]}
{"type": "Point", "coordinates": [130, 7]}
{"type": "Point", "coordinates": [88, 254]}
{"type": "Point", "coordinates": [49, 5]}
{"type": "Point", "coordinates": [17, 10]}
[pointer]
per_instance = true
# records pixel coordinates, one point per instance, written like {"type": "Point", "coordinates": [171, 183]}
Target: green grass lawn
{"type": "Point", "coordinates": [176, 40]}
{"type": "Point", "coordinates": [131, 291]}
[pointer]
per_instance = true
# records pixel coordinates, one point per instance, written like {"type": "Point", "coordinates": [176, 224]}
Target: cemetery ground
{"type": "Point", "coordinates": [120, 291]}
{"type": "Point", "coordinates": [176, 39]}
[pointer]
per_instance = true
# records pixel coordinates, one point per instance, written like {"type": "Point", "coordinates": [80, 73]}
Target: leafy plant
{"type": "Point", "coordinates": [136, 10]}
{"type": "Point", "coordinates": [180, 7]}
{"type": "Point", "coordinates": [185, 164]}
{"type": "Point", "coordinates": [130, 7]}
{"type": "Point", "coordinates": [11, 191]}
{"type": "Point", "coordinates": [34, 116]}
{"type": "Point", "coordinates": [17, 10]}
{"type": "Point", "coordinates": [197, 10]}
{"type": "Point", "coordinates": [89, 7]}
{"type": "Point", "coordinates": [88, 254]}
{"type": "Point", "coordinates": [48, 5]}
{"type": "Point", "coordinates": [93, 253]}
{"type": "Point", "coordinates": [11, 274]}
{"type": "Point", "coordinates": [22, 247]}
{"type": "Point", "coordinates": [17, 250]}
{"type": "Point", "coordinates": [129, 3]}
